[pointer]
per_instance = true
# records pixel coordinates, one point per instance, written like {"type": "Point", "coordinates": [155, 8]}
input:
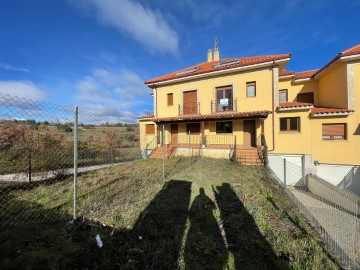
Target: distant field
{"type": "Point", "coordinates": [206, 214]}
{"type": "Point", "coordinates": [50, 147]}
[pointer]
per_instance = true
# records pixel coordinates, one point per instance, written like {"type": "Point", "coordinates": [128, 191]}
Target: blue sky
{"type": "Point", "coordinates": [98, 53]}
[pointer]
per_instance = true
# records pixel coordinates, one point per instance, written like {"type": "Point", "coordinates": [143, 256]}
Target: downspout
{"type": "Point", "coordinates": [273, 107]}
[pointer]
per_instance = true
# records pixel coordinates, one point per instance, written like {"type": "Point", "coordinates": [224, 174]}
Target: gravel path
{"type": "Point", "coordinates": [23, 177]}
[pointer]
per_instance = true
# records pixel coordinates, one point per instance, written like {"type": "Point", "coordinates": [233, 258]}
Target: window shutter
{"type": "Point", "coordinates": [170, 99]}
{"type": "Point", "coordinates": [150, 129]}
{"type": "Point", "coordinates": [333, 129]}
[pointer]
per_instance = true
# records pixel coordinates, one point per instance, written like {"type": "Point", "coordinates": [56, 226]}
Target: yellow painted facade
{"type": "Point", "coordinates": [336, 86]}
{"type": "Point", "coordinates": [206, 92]}
{"type": "Point", "coordinates": [333, 88]}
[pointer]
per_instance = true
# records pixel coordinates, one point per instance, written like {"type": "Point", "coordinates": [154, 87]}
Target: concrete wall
{"type": "Point", "coordinates": [345, 177]}
{"type": "Point", "coordinates": [332, 194]}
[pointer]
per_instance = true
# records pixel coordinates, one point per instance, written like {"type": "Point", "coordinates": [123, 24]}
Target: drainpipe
{"type": "Point", "coordinates": [273, 107]}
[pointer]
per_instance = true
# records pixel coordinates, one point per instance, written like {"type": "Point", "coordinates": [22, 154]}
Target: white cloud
{"type": "Point", "coordinates": [22, 89]}
{"type": "Point", "coordinates": [145, 25]}
{"type": "Point", "coordinates": [113, 93]}
{"type": "Point", "coordinates": [10, 67]}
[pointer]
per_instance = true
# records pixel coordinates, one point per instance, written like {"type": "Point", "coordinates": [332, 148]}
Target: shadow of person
{"type": "Point", "coordinates": [156, 238]}
{"type": "Point", "coordinates": [247, 245]}
{"type": "Point", "coordinates": [205, 247]}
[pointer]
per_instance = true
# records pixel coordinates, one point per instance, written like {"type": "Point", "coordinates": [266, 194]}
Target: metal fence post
{"type": "Point", "coordinates": [163, 148]}
{"type": "Point", "coordinates": [303, 170]}
{"type": "Point", "coordinates": [76, 114]}
{"type": "Point", "coordinates": [284, 172]}
{"type": "Point", "coordinates": [30, 169]}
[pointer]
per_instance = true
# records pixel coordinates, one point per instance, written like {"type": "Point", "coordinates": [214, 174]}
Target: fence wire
{"type": "Point", "coordinates": [37, 157]}
{"type": "Point", "coordinates": [333, 211]}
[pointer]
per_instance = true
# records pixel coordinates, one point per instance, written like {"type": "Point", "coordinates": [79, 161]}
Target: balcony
{"type": "Point", "coordinates": [189, 108]}
{"type": "Point", "coordinates": [219, 108]}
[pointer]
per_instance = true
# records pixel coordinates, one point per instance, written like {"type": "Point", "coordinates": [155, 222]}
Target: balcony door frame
{"type": "Point", "coordinates": [190, 90]}
{"type": "Point", "coordinates": [223, 88]}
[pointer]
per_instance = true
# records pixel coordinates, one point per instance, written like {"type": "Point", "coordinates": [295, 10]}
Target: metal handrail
{"type": "Point", "coordinates": [189, 108]}
{"type": "Point", "coordinates": [216, 108]}
{"type": "Point", "coordinates": [152, 144]}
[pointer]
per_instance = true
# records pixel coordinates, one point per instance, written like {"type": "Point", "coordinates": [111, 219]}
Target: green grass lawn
{"type": "Point", "coordinates": [206, 214]}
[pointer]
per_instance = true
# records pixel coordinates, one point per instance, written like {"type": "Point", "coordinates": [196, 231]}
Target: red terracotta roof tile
{"type": "Point", "coordinates": [305, 74]}
{"type": "Point", "coordinates": [286, 73]}
{"type": "Point", "coordinates": [214, 116]}
{"type": "Point", "coordinates": [208, 67]}
{"type": "Point", "coordinates": [148, 116]}
{"type": "Point", "coordinates": [351, 51]}
{"type": "Point", "coordinates": [325, 111]}
{"type": "Point", "coordinates": [284, 105]}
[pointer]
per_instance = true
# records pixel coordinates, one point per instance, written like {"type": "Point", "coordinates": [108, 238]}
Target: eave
{"type": "Point", "coordinates": [218, 72]}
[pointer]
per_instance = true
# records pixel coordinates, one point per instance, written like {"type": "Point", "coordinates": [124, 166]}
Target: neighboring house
{"type": "Point", "coordinates": [244, 106]}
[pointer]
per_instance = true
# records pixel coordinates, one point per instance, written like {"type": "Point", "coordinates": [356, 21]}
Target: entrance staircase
{"type": "Point", "coordinates": [158, 151]}
{"type": "Point", "coordinates": [250, 157]}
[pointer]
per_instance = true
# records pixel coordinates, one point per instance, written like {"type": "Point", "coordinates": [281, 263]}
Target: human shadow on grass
{"type": "Point", "coordinates": [205, 247]}
{"type": "Point", "coordinates": [156, 238]}
{"type": "Point", "coordinates": [248, 246]}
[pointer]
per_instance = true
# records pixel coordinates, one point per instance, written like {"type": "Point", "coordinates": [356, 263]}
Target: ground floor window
{"type": "Point", "coordinates": [334, 131]}
{"type": "Point", "coordinates": [193, 128]}
{"type": "Point", "coordinates": [290, 124]}
{"type": "Point", "coordinates": [150, 129]}
{"type": "Point", "coordinates": [224, 127]}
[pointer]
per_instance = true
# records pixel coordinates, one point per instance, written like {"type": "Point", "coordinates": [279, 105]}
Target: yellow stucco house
{"type": "Point", "coordinates": [244, 108]}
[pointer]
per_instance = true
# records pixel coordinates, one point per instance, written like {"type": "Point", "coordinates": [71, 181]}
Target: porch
{"type": "Point", "coordinates": [242, 140]}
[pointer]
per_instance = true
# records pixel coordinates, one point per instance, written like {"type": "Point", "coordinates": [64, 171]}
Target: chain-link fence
{"type": "Point", "coordinates": [333, 211]}
{"type": "Point", "coordinates": [44, 147]}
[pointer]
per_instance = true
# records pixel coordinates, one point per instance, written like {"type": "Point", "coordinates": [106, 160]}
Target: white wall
{"type": "Point", "coordinates": [293, 168]}
{"type": "Point", "coordinates": [346, 177]}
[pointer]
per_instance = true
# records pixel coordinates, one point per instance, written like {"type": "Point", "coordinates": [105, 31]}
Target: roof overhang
{"type": "Point", "coordinates": [213, 117]}
{"type": "Point", "coordinates": [302, 108]}
{"type": "Point", "coordinates": [286, 77]}
{"type": "Point", "coordinates": [334, 62]}
{"type": "Point", "coordinates": [220, 72]}
{"type": "Point", "coordinates": [331, 114]}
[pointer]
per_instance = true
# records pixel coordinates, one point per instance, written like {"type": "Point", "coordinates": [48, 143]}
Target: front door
{"type": "Point", "coordinates": [174, 133]}
{"type": "Point", "coordinates": [249, 133]}
{"type": "Point", "coordinates": [190, 102]}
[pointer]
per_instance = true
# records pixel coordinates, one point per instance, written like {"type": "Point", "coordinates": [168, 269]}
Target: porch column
{"type": "Point", "coordinates": [202, 128]}
{"type": "Point", "coordinates": [158, 134]}
{"type": "Point", "coordinates": [262, 141]}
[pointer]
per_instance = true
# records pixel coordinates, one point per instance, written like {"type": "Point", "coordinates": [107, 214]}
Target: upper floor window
{"type": "Point", "coordinates": [305, 97]}
{"type": "Point", "coordinates": [224, 98]}
{"type": "Point", "coordinates": [149, 129]}
{"type": "Point", "coordinates": [224, 127]}
{"type": "Point", "coordinates": [334, 131]}
{"type": "Point", "coordinates": [251, 89]}
{"type": "Point", "coordinates": [170, 99]}
{"type": "Point", "coordinates": [283, 95]}
{"type": "Point", "coordinates": [288, 124]}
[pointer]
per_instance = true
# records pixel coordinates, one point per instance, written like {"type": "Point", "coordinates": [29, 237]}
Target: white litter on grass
{"type": "Point", "coordinates": [140, 237]}
{"type": "Point", "coordinates": [98, 241]}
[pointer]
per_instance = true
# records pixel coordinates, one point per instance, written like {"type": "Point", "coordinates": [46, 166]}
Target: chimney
{"type": "Point", "coordinates": [210, 55]}
{"type": "Point", "coordinates": [216, 54]}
